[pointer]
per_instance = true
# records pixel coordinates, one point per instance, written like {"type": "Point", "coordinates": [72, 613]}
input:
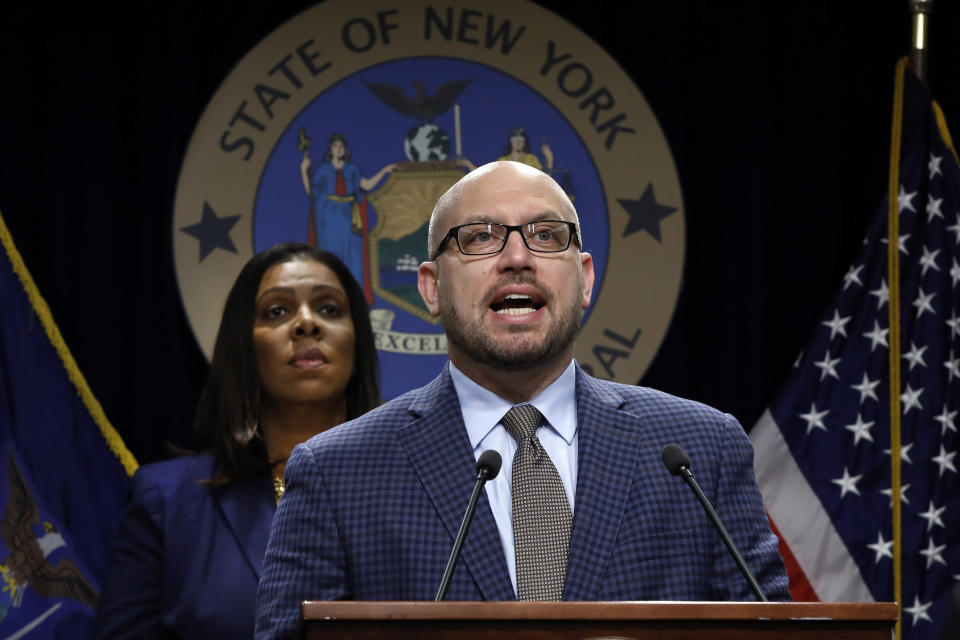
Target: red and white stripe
{"type": "Point", "coordinates": [818, 562]}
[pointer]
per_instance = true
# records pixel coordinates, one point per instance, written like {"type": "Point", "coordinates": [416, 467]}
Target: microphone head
{"type": "Point", "coordinates": [674, 458]}
{"type": "Point", "coordinates": [491, 461]}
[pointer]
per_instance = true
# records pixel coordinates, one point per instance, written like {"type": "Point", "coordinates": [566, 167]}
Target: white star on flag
{"type": "Point", "coordinates": [911, 399]}
{"type": "Point", "coordinates": [954, 324]}
{"type": "Point", "coordinates": [904, 453]}
{"type": "Point", "coordinates": [815, 418]}
{"type": "Point", "coordinates": [883, 294]}
{"type": "Point", "coordinates": [946, 420]}
{"type": "Point", "coordinates": [902, 244]}
{"type": "Point", "coordinates": [953, 367]}
{"type": "Point", "coordinates": [915, 356]}
{"type": "Point", "coordinates": [903, 493]}
{"type": "Point", "coordinates": [933, 553]}
{"type": "Point", "coordinates": [956, 228]}
{"type": "Point", "coordinates": [934, 165]}
{"type": "Point", "coordinates": [919, 611]}
{"type": "Point", "coordinates": [853, 275]}
{"type": "Point", "coordinates": [932, 516]}
{"type": "Point", "coordinates": [905, 200]}
{"type": "Point", "coordinates": [867, 388]}
{"type": "Point", "coordinates": [933, 209]}
{"type": "Point", "coordinates": [929, 260]}
{"type": "Point", "coordinates": [883, 548]}
{"type": "Point", "coordinates": [877, 336]}
{"type": "Point", "coordinates": [827, 366]}
{"type": "Point", "coordinates": [837, 325]}
{"type": "Point", "coordinates": [922, 303]}
{"type": "Point", "coordinates": [955, 272]}
{"type": "Point", "coordinates": [860, 429]}
{"type": "Point", "coordinates": [945, 460]}
{"type": "Point", "coordinates": [847, 483]}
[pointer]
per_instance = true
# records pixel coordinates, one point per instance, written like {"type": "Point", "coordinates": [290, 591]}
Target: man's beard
{"type": "Point", "coordinates": [475, 341]}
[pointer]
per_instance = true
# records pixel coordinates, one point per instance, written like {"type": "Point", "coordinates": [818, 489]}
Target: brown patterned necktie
{"type": "Point", "coordinates": [541, 513]}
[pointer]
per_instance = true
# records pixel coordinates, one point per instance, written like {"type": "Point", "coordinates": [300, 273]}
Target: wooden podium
{"type": "Point", "coordinates": [598, 620]}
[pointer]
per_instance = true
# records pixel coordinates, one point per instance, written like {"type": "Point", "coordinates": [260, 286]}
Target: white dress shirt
{"type": "Point", "coordinates": [482, 411]}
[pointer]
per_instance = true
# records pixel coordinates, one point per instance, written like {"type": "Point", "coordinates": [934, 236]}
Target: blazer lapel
{"type": "Point", "coordinates": [247, 507]}
{"type": "Point", "coordinates": [608, 442]}
{"type": "Point", "coordinates": [439, 451]}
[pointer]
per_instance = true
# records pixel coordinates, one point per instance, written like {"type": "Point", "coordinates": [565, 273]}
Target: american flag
{"type": "Point", "coordinates": [823, 449]}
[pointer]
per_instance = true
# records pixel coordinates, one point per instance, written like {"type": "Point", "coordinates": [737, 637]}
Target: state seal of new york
{"type": "Point", "coordinates": [343, 127]}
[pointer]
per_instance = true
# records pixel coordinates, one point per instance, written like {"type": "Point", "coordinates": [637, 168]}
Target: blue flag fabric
{"type": "Point", "coordinates": [823, 449]}
{"type": "Point", "coordinates": [64, 473]}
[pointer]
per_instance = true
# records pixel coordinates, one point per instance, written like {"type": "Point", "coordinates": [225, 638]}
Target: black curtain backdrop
{"type": "Point", "coordinates": [777, 113]}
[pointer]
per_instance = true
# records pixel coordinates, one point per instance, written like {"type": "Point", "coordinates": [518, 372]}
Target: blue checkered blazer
{"type": "Point", "coordinates": [372, 508]}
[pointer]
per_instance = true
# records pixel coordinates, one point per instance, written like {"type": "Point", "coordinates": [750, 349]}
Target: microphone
{"type": "Point", "coordinates": [677, 462]}
{"type": "Point", "coordinates": [488, 466]}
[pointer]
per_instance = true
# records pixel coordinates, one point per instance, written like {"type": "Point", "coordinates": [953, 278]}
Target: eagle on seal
{"type": "Point", "coordinates": [421, 106]}
{"type": "Point", "coordinates": [27, 563]}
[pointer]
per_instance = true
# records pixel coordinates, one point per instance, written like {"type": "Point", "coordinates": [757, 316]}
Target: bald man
{"type": "Point", "coordinates": [372, 507]}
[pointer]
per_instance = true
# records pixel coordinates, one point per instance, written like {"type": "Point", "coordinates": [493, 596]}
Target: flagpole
{"type": "Point", "coordinates": [921, 10]}
{"type": "Point", "coordinates": [893, 276]}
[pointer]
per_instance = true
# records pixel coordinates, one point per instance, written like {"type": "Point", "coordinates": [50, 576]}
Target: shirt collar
{"type": "Point", "coordinates": [482, 409]}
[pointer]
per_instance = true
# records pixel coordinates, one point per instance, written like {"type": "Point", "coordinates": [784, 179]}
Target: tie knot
{"type": "Point", "coordinates": [522, 421]}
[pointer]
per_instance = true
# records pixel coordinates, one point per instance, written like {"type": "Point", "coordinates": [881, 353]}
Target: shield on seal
{"type": "Point", "coordinates": [399, 241]}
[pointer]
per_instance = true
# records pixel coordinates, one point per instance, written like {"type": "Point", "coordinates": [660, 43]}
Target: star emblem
{"type": "Point", "coordinates": [904, 453]}
{"type": "Point", "coordinates": [861, 430]}
{"type": "Point", "coordinates": [945, 460]}
{"type": "Point", "coordinates": [902, 243]}
{"type": "Point", "coordinates": [932, 516]}
{"type": "Point", "coordinates": [212, 231]}
{"type": "Point", "coordinates": [852, 275]}
{"type": "Point", "coordinates": [877, 336]}
{"type": "Point", "coordinates": [867, 388]}
{"type": "Point", "coordinates": [837, 325]}
{"type": "Point", "coordinates": [933, 166]}
{"type": "Point", "coordinates": [883, 548]}
{"type": "Point", "coordinates": [955, 272]}
{"type": "Point", "coordinates": [946, 419]}
{"type": "Point", "coordinates": [933, 553]}
{"type": "Point", "coordinates": [645, 214]}
{"type": "Point", "coordinates": [915, 356]}
{"type": "Point", "coordinates": [911, 399]}
{"type": "Point", "coordinates": [922, 303]}
{"type": "Point", "coordinates": [827, 366]}
{"type": "Point", "coordinates": [814, 419]}
{"type": "Point", "coordinates": [956, 228]}
{"type": "Point", "coordinates": [903, 492]}
{"type": "Point", "coordinates": [954, 323]}
{"type": "Point", "coordinates": [929, 260]}
{"type": "Point", "coordinates": [933, 209]}
{"type": "Point", "coordinates": [953, 367]}
{"type": "Point", "coordinates": [919, 611]}
{"type": "Point", "coordinates": [882, 293]}
{"type": "Point", "coordinates": [905, 200]}
{"type": "Point", "coordinates": [848, 483]}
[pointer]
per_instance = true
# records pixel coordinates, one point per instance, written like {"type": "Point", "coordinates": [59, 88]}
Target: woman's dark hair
{"type": "Point", "coordinates": [337, 137]}
{"type": "Point", "coordinates": [517, 131]}
{"type": "Point", "coordinates": [229, 405]}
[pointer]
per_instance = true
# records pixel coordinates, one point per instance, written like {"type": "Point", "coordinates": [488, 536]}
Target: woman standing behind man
{"type": "Point", "coordinates": [294, 356]}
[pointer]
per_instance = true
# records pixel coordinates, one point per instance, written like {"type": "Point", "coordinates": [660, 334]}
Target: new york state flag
{"type": "Point", "coordinates": [64, 471]}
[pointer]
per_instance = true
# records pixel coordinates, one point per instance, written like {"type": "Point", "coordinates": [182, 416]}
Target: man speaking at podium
{"type": "Point", "coordinates": [582, 508]}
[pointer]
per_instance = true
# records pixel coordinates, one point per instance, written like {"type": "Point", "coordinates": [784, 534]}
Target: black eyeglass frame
{"type": "Point", "coordinates": [452, 233]}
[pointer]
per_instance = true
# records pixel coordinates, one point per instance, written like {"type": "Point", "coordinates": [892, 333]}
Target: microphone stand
{"type": "Point", "coordinates": [684, 472]}
{"type": "Point", "coordinates": [484, 473]}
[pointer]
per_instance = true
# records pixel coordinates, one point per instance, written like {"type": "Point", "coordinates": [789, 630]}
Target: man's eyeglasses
{"type": "Point", "coordinates": [487, 238]}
